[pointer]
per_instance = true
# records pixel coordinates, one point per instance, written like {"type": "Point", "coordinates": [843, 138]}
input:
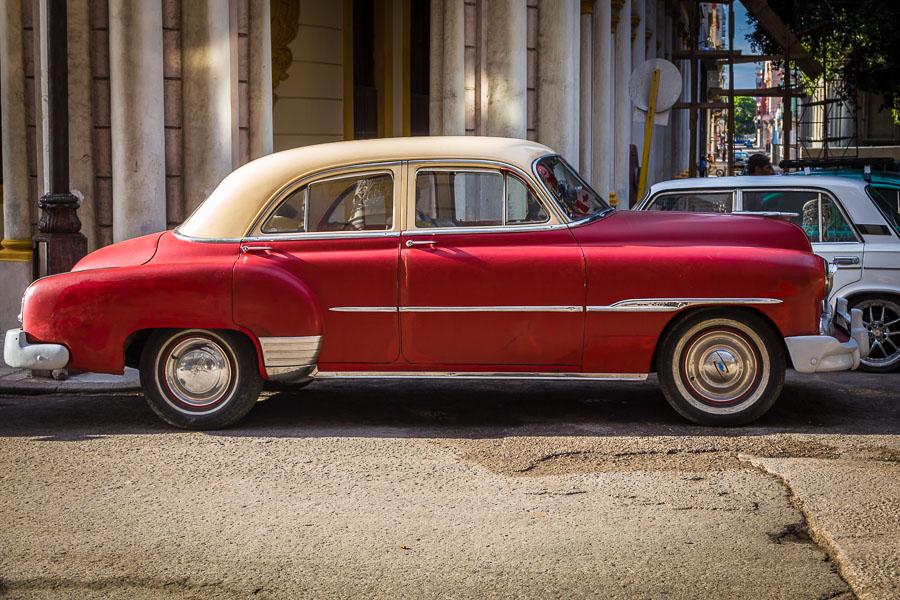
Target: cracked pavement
{"type": "Point", "coordinates": [456, 489]}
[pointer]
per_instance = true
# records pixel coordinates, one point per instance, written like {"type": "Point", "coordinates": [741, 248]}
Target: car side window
{"type": "Point", "coordinates": [474, 199]}
{"type": "Point", "coordinates": [814, 212]}
{"type": "Point", "coordinates": [888, 202]}
{"type": "Point", "coordinates": [357, 203]}
{"type": "Point", "coordinates": [708, 202]}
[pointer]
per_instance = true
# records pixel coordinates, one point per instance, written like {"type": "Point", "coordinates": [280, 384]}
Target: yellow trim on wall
{"type": "Point", "coordinates": [347, 35]}
{"type": "Point", "coordinates": [16, 251]}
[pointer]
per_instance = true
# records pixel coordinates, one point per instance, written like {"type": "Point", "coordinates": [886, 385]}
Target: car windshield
{"type": "Point", "coordinates": [573, 195]}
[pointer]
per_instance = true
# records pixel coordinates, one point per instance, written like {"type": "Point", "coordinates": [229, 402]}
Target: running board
{"type": "Point", "coordinates": [477, 375]}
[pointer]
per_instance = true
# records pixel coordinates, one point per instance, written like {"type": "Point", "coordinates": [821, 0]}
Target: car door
{"type": "Point", "coordinates": [488, 275]}
{"type": "Point", "coordinates": [336, 237]}
{"type": "Point", "coordinates": [820, 215]}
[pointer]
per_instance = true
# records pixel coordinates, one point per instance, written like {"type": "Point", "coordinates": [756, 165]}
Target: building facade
{"type": "Point", "coordinates": [166, 97]}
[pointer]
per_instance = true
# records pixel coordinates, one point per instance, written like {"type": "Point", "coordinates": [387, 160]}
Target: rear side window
{"type": "Point", "coordinates": [344, 204]}
{"type": "Point", "coordinates": [814, 212]}
{"type": "Point", "coordinates": [888, 202]}
{"type": "Point", "coordinates": [708, 202]}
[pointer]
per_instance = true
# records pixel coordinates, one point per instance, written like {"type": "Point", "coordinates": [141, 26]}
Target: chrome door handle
{"type": "Point", "coordinates": [846, 260]}
{"type": "Point", "coordinates": [255, 248]}
{"type": "Point", "coordinates": [411, 243]}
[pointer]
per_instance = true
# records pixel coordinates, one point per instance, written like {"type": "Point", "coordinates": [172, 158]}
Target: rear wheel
{"type": "Point", "coordinates": [881, 317]}
{"type": "Point", "coordinates": [718, 368]}
{"type": "Point", "coordinates": [200, 379]}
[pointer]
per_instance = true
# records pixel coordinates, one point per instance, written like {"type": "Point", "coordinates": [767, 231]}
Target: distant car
{"type": "Point", "coordinates": [457, 257]}
{"type": "Point", "coordinates": [749, 144]}
{"type": "Point", "coordinates": [852, 223]}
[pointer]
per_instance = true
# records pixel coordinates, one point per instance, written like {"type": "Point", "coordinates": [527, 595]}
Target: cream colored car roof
{"type": "Point", "coordinates": [234, 205]}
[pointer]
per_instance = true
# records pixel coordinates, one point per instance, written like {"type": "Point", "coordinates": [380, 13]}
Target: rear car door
{"type": "Point", "coordinates": [823, 219]}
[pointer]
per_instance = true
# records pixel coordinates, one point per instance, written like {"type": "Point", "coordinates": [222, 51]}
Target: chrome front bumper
{"type": "Point", "coordinates": [20, 354]}
{"type": "Point", "coordinates": [824, 352]}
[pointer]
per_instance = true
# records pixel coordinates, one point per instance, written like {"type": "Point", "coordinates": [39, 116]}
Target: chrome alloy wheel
{"type": "Point", "coordinates": [197, 371]}
{"type": "Point", "coordinates": [720, 367]}
{"type": "Point", "coordinates": [881, 318]}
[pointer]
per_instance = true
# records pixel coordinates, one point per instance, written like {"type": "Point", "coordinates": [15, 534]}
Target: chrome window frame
{"type": "Point", "coordinates": [554, 221]}
{"type": "Point", "coordinates": [818, 190]}
{"type": "Point", "coordinates": [393, 168]}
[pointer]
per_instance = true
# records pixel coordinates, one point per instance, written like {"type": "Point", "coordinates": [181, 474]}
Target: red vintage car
{"type": "Point", "coordinates": [439, 257]}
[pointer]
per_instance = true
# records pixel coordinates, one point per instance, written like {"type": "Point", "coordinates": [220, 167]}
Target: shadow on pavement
{"type": "Point", "coordinates": [840, 403]}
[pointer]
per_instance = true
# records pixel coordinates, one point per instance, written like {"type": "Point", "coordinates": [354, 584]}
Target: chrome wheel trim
{"type": "Point", "coordinates": [695, 360]}
{"type": "Point", "coordinates": [881, 318]}
{"type": "Point", "coordinates": [197, 374]}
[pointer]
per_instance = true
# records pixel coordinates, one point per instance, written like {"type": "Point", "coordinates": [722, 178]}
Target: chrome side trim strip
{"type": "Point", "coordinates": [321, 235]}
{"type": "Point", "coordinates": [364, 309]}
{"type": "Point", "coordinates": [541, 309]}
{"type": "Point", "coordinates": [477, 375]}
{"type": "Point", "coordinates": [673, 304]}
{"type": "Point", "coordinates": [290, 351]}
{"type": "Point", "coordinates": [491, 229]}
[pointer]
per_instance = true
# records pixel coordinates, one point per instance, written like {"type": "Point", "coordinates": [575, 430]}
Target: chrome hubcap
{"type": "Point", "coordinates": [881, 319]}
{"type": "Point", "coordinates": [198, 372]}
{"type": "Point", "coordinates": [720, 366]}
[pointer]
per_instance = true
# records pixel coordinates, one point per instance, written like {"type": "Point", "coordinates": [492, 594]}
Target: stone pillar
{"type": "Point", "coordinates": [622, 104]}
{"type": "Point", "coordinates": [638, 55]}
{"type": "Point", "coordinates": [436, 69]}
{"type": "Point", "coordinates": [81, 119]}
{"type": "Point", "coordinates": [660, 133]}
{"type": "Point", "coordinates": [260, 41]}
{"type": "Point", "coordinates": [602, 154]}
{"type": "Point", "coordinates": [138, 131]}
{"type": "Point", "coordinates": [555, 81]}
{"type": "Point", "coordinates": [585, 91]}
{"type": "Point", "coordinates": [575, 38]}
{"type": "Point", "coordinates": [507, 68]}
{"type": "Point", "coordinates": [454, 68]}
{"type": "Point", "coordinates": [16, 196]}
{"type": "Point", "coordinates": [206, 77]}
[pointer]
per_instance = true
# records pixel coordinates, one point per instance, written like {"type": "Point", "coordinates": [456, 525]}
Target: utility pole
{"type": "Point", "coordinates": [59, 243]}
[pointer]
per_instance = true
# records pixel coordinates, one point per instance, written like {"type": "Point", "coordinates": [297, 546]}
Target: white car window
{"type": "Point", "coordinates": [714, 202]}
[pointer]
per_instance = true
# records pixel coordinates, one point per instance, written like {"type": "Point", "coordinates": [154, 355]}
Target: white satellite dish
{"type": "Point", "coordinates": [667, 93]}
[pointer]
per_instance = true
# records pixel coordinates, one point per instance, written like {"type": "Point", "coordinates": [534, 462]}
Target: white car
{"type": "Point", "coordinates": [844, 225]}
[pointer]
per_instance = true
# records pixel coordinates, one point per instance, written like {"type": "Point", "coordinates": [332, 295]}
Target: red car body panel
{"type": "Point", "coordinates": [543, 268]}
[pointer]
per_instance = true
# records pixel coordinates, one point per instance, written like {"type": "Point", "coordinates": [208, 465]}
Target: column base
{"type": "Point", "coordinates": [16, 250]}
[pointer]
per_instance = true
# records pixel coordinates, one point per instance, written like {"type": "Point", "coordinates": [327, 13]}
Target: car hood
{"type": "Point", "coordinates": [137, 251]}
{"type": "Point", "coordinates": [656, 228]}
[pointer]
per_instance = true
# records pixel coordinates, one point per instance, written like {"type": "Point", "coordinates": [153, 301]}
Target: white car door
{"type": "Point", "coordinates": [821, 217]}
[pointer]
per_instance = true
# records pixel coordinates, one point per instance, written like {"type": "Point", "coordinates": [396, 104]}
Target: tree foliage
{"type": "Point", "coordinates": [744, 115]}
{"type": "Point", "coordinates": [857, 38]}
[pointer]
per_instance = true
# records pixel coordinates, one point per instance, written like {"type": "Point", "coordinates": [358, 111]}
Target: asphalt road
{"type": "Point", "coordinates": [456, 490]}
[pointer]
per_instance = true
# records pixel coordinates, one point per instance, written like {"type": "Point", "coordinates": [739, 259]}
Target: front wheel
{"type": "Point", "coordinates": [881, 318]}
{"type": "Point", "coordinates": [200, 379]}
{"type": "Point", "coordinates": [719, 368]}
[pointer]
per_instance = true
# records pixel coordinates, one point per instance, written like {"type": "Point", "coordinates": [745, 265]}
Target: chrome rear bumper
{"type": "Point", "coordinates": [824, 352]}
{"type": "Point", "coordinates": [20, 354]}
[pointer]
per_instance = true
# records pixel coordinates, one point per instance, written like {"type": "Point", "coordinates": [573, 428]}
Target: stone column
{"type": "Point", "coordinates": [454, 68]}
{"type": "Point", "coordinates": [555, 85]}
{"type": "Point", "coordinates": [260, 41]}
{"type": "Point", "coordinates": [436, 69]}
{"type": "Point", "coordinates": [660, 133]}
{"type": "Point", "coordinates": [138, 131]}
{"type": "Point", "coordinates": [602, 154]}
{"type": "Point", "coordinates": [622, 104]}
{"type": "Point", "coordinates": [507, 68]}
{"type": "Point", "coordinates": [81, 119]}
{"type": "Point", "coordinates": [585, 91]}
{"type": "Point", "coordinates": [16, 197]}
{"type": "Point", "coordinates": [206, 77]}
{"type": "Point", "coordinates": [638, 55]}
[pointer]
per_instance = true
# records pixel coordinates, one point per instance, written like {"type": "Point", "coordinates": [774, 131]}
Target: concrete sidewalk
{"type": "Point", "coordinates": [21, 381]}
